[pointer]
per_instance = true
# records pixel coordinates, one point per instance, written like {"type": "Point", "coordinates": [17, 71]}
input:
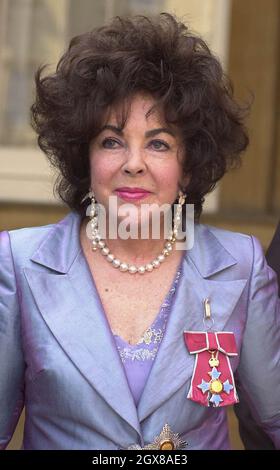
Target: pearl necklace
{"type": "Point", "coordinates": [97, 243]}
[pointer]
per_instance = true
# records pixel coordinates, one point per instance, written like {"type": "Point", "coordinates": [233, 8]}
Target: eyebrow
{"type": "Point", "coordinates": [149, 133]}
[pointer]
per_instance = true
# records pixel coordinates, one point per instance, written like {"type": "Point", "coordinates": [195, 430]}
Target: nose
{"type": "Point", "coordinates": [134, 163]}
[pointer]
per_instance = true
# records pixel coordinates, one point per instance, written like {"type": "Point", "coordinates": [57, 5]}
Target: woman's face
{"type": "Point", "coordinates": [144, 156]}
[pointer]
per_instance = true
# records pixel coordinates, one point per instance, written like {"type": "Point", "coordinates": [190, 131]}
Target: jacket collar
{"type": "Point", "coordinates": [60, 247]}
{"type": "Point", "coordinates": [208, 255]}
{"type": "Point", "coordinates": [65, 234]}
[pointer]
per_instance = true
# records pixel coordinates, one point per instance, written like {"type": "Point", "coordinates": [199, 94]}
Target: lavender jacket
{"type": "Point", "coordinates": [58, 357]}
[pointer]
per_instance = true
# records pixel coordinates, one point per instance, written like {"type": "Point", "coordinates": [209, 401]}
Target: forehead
{"type": "Point", "coordinates": [140, 107]}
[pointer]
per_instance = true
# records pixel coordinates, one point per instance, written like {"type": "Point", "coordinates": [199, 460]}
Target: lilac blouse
{"type": "Point", "coordinates": [138, 358]}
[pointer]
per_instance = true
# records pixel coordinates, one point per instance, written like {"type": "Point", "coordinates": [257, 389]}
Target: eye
{"type": "Point", "coordinates": [110, 143]}
{"type": "Point", "coordinates": [159, 145]}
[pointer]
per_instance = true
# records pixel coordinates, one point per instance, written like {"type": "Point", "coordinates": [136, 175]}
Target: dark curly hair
{"type": "Point", "coordinates": [107, 66]}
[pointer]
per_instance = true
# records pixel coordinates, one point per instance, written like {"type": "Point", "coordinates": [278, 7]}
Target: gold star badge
{"type": "Point", "coordinates": [166, 440]}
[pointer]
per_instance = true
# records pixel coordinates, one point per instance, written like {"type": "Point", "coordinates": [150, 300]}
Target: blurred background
{"type": "Point", "coordinates": [246, 37]}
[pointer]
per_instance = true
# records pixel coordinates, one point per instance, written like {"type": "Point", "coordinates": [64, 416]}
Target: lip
{"type": "Point", "coordinates": [132, 194]}
{"type": "Point", "coordinates": [132, 190]}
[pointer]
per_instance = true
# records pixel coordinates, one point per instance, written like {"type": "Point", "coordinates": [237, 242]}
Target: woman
{"type": "Point", "coordinates": [113, 342]}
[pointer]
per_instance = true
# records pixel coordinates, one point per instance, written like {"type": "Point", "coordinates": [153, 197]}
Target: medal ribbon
{"type": "Point", "coordinates": [212, 385]}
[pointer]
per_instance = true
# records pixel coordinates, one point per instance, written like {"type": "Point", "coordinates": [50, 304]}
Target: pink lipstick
{"type": "Point", "coordinates": [132, 194]}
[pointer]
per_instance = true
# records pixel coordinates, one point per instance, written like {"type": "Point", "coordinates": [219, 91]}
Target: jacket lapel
{"type": "Point", "coordinates": [74, 314]}
{"type": "Point", "coordinates": [173, 365]}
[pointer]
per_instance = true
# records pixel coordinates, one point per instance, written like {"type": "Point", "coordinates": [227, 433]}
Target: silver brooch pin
{"type": "Point", "coordinates": [207, 317]}
{"type": "Point", "coordinates": [207, 309]}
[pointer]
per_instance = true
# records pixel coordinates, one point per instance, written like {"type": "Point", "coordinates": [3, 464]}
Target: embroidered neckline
{"type": "Point", "coordinates": [153, 335]}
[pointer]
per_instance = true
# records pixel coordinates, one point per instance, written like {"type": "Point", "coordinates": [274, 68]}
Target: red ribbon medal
{"type": "Point", "coordinates": [212, 382]}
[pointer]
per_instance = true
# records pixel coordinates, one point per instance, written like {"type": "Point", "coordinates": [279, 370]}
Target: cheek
{"type": "Point", "coordinates": [101, 169]}
{"type": "Point", "coordinates": [169, 177]}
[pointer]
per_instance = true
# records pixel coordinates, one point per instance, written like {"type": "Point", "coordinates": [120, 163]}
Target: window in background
{"type": "Point", "coordinates": [35, 32]}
